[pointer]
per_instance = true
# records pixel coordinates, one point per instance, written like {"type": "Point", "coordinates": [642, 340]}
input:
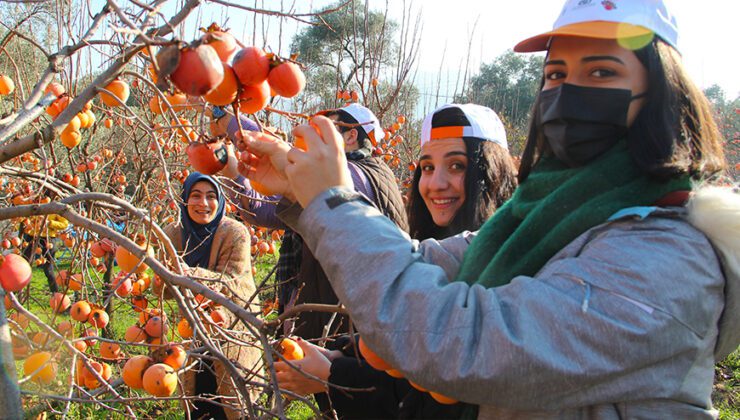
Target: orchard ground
{"type": "Point", "coordinates": [171, 409]}
{"type": "Point", "coordinates": [726, 396]}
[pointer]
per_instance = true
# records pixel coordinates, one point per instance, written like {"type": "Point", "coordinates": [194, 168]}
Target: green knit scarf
{"type": "Point", "coordinates": [549, 210]}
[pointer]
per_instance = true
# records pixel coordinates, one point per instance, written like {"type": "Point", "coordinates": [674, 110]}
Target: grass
{"type": "Point", "coordinates": [726, 394]}
{"type": "Point", "coordinates": [121, 318]}
{"type": "Point", "coordinates": [725, 397]}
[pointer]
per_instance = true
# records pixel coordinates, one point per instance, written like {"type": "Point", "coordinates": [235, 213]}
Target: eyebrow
{"type": "Point", "coordinates": [587, 60]}
{"type": "Point", "coordinates": [602, 57]}
{"type": "Point", "coordinates": [554, 62]}
{"type": "Point", "coordinates": [202, 192]}
{"type": "Point", "coordinates": [448, 154]}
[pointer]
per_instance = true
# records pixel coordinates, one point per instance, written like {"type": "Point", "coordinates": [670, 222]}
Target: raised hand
{"type": "Point", "coordinates": [263, 161]}
{"type": "Point", "coordinates": [322, 166]}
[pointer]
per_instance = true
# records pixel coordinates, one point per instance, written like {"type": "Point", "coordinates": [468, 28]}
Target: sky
{"type": "Point", "coordinates": [708, 33]}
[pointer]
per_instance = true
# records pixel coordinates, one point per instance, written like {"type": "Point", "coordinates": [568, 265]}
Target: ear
{"type": "Point", "coordinates": [353, 135]}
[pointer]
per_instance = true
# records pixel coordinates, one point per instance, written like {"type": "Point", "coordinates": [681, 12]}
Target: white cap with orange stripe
{"type": "Point", "coordinates": [484, 125]}
{"type": "Point", "coordinates": [633, 23]}
{"type": "Point", "coordinates": [367, 120]}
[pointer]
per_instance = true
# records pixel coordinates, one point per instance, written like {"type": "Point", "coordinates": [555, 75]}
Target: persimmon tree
{"type": "Point", "coordinates": [103, 135]}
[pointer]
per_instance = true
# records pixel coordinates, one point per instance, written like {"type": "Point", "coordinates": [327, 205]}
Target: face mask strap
{"type": "Point", "coordinates": [638, 96]}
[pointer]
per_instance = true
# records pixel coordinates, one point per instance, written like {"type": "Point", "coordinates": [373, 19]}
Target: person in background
{"type": "Point", "coordinates": [300, 278]}
{"type": "Point", "coordinates": [215, 247]}
{"type": "Point", "coordinates": [39, 233]}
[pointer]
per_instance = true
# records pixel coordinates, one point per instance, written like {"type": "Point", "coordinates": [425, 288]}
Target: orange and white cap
{"type": "Point", "coordinates": [366, 118]}
{"type": "Point", "coordinates": [633, 23]}
{"type": "Point", "coordinates": [484, 125]}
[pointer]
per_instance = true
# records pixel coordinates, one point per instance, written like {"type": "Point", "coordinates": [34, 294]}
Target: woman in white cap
{"type": "Point", "coordinates": [464, 173]}
{"type": "Point", "coordinates": [595, 291]}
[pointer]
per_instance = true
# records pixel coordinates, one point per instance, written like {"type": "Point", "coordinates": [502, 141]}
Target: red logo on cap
{"type": "Point", "coordinates": [609, 5]}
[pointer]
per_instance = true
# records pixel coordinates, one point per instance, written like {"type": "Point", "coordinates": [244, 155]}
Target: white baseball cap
{"type": "Point", "coordinates": [631, 22]}
{"type": "Point", "coordinates": [367, 120]}
{"type": "Point", "coordinates": [484, 125]}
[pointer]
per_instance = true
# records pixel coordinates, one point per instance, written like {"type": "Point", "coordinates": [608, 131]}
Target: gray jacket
{"type": "Point", "coordinates": [621, 323]}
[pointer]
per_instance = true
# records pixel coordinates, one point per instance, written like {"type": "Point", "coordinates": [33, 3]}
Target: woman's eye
{"type": "Point", "coordinates": [554, 75]}
{"type": "Point", "coordinates": [603, 73]}
{"type": "Point", "coordinates": [427, 167]}
{"type": "Point", "coordinates": [458, 166]}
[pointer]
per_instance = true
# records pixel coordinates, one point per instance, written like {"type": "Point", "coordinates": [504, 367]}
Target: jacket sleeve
{"type": "Point", "coordinates": [253, 207]}
{"type": "Point", "coordinates": [606, 324]}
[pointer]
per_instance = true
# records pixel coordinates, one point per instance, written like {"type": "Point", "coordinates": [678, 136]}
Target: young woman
{"type": "Point", "coordinates": [591, 293]}
{"type": "Point", "coordinates": [214, 247]}
{"type": "Point", "coordinates": [458, 184]}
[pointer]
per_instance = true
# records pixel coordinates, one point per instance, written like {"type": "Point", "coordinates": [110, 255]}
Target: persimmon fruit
{"type": "Point", "coordinates": [7, 86]}
{"type": "Point", "coordinates": [175, 356]}
{"type": "Point", "coordinates": [40, 367]}
{"type": "Point", "coordinates": [287, 79]}
{"type": "Point", "coordinates": [128, 261]}
{"type": "Point", "coordinates": [15, 272]}
{"type": "Point", "coordinates": [133, 371]}
{"type": "Point", "coordinates": [155, 327]}
{"type": "Point", "coordinates": [226, 91]}
{"type": "Point", "coordinates": [199, 70]}
{"type": "Point", "coordinates": [184, 328]}
{"type": "Point", "coordinates": [372, 359]}
{"type": "Point", "coordinates": [125, 288]}
{"type": "Point", "coordinates": [70, 138]}
{"type": "Point", "coordinates": [223, 42]}
{"type": "Point", "coordinates": [110, 351]}
{"type": "Point", "coordinates": [59, 302]}
{"type": "Point", "coordinates": [252, 66]}
{"type": "Point", "coordinates": [98, 318]}
{"type": "Point", "coordinates": [160, 380]}
{"type": "Point", "coordinates": [207, 158]}
{"type": "Point", "coordinates": [135, 334]}
{"type": "Point", "coordinates": [290, 349]}
{"type": "Point", "coordinates": [54, 88]}
{"type": "Point", "coordinates": [119, 91]}
{"type": "Point", "coordinates": [254, 98]}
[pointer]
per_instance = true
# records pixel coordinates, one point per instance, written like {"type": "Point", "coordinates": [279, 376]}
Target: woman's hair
{"type": "Point", "coordinates": [490, 179]}
{"type": "Point", "coordinates": [673, 134]}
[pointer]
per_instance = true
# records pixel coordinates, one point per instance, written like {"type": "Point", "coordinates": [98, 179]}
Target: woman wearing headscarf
{"type": "Point", "coordinates": [215, 247]}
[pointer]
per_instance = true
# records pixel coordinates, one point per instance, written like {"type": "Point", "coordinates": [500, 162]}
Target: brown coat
{"type": "Point", "coordinates": [230, 255]}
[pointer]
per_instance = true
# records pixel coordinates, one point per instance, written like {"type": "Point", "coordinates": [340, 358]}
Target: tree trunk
{"type": "Point", "coordinates": [10, 396]}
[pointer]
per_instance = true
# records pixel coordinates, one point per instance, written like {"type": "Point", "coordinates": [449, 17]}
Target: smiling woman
{"type": "Point", "coordinates": [214, 247]}
{"type": "Point", "coordinates": [203, 203]}
{"type": "Point", "coordinates": [464, 173]}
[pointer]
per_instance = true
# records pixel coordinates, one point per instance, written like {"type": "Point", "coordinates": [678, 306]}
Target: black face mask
{"type": "Point", "coordinates": [580, 123]}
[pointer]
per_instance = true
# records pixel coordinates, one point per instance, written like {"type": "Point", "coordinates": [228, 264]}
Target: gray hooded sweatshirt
{"type": "Point", "coordinates": [621, 323]}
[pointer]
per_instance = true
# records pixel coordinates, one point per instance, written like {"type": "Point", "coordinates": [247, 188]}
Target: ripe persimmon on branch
{"type": "Point", "coordinates": [118, 87]}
